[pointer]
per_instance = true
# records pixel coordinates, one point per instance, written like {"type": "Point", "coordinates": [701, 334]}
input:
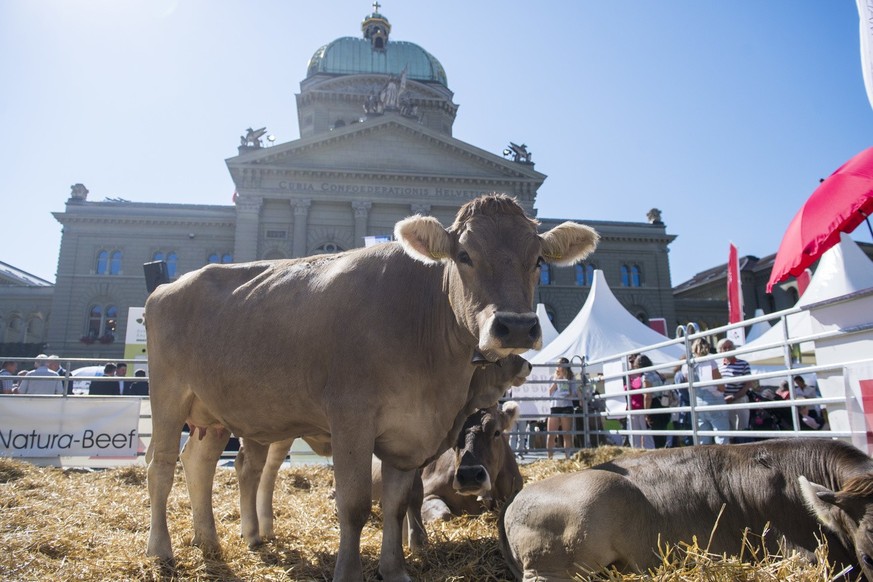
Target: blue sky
{"type": "Point", "coordinates": [724, 115]}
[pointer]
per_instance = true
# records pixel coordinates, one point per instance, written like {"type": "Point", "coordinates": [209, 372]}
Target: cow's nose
{"type": "Point", "coordinates": [471, 476]}
{"type": "Point", "coordinates": [516, 330]}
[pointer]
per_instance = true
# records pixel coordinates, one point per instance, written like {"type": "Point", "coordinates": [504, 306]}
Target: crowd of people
{"type": "Point", "coordinates": [48, 377]}
{"type": "Point", "coordinates": [715, 385]}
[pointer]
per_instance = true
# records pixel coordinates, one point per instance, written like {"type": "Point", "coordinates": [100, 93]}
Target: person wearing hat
{"type": "Point", "coordinates": [32, 385]}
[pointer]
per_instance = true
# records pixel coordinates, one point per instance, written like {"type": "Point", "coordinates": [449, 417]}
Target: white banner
{"type": "Point", "coordinates": [534, 389]}
{"type": "Point", "coordinates": [865, 21]}
{"type": "Point", "coordinates": [53, 426]}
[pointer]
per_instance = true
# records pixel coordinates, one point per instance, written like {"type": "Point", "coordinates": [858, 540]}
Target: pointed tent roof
{"type": "Point", "coordinates": [604, 327]}
{"type": "Point", "coordinates": [548, 329]}
{"type": "Point", "coordinates": [757, 329]}
{"type": "Point", "coordinates": [842, 270]}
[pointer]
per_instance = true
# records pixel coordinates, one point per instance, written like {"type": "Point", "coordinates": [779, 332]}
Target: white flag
{"type": "Point", "coordinates": [865, 22]}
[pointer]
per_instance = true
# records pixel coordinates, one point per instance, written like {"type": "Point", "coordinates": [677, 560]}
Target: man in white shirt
{"type": "Point", "coordinates": [38, 386]}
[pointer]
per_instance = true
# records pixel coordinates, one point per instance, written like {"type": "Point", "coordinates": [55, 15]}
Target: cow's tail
{"type": "Point", "coordinates": [514, 566]}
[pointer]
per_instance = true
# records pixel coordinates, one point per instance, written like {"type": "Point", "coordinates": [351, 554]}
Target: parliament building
{"type": "Point", "coordinates": [375, 118]}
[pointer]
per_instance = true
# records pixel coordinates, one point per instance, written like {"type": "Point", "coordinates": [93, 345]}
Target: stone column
{"type": "Point", "coordinates": [301, 213]}
{"type": "Point", "coordinates": [248, 219]}
{"type": "Point", "coordinates": [362, 211]}
{"type": "Point", "coordinates": [423, 209]}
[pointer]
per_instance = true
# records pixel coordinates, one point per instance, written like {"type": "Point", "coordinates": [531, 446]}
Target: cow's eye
{"type": "Point", "coordinates": [463, 257]}
{"type": "Point", "coordinates": [497, 433]}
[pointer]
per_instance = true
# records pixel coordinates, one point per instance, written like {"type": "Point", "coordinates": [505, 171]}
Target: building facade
{"type": "Point", "coordinates": [375, 118]}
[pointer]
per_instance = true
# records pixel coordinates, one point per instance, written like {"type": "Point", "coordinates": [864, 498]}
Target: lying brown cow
{"type": "Point", "coordinates": [411, 316]}
{"type": "Point", "coordinates": [478, 471]}
{"type": "Point", "coordinates": [615, 514]}
{"type": "Point", "coordinates": [489, 383]}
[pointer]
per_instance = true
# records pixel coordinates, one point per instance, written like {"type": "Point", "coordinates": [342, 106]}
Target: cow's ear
{"type": "Point", "coordinates": [424, 239]}
{"type": "Point", "coordinates": [569, 243]}
{"type": "Point", "coordinates": [511, 412]}
{"type": "Point", "coordinates": [822, 501]}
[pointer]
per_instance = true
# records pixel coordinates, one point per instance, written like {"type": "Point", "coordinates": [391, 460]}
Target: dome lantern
{"type": "Point", "coordinates": [376, 28]}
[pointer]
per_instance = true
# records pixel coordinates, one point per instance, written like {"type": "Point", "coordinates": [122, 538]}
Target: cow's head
{"type": "Point", "coordinates": [493, 255]}
{"type": "Point", "coordinates": [490, 383]}
{"type": "Point", "coordinates": [848, 513]}
{"type": "Point", "coordinates": [480, 449]}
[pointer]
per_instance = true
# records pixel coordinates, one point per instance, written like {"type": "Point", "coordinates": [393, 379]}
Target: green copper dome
{"type": "Point", "coordinates": [375, 53]}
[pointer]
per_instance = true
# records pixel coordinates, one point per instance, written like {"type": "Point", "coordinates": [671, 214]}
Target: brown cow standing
{"type": "Point", "coordinates": [410, 317]}
{"type": "Point", "coordinates": [489, 383]}
{"type": "Point", "coordinates": [617, 513]}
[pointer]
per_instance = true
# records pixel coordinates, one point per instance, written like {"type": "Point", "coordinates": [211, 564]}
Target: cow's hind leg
{"type": "Point", "coordinates": [267, 486]}
{"type": "Point", "coordinates": [199, 459]}
{"type": "Point", "coordinates": [249, 466]}
{"type": "Point", "coordinates": [161, 457]}
{"type": "Point", "coordinates": [416, 533]}
{"type": "Point", "coordinates": [396, 488]}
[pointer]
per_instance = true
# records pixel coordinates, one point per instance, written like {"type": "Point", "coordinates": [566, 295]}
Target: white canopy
{"type": "Point", "coordinates": [842, 270]}
{"type": "Point", "coordinates": [757, 329]}
{"type": "Point", "coordinates": [548, 329]}
{"type": "Point", "coordinates": [603, 327]}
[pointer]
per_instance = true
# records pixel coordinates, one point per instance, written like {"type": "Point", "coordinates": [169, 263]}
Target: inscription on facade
{"type": "Point", "coordinates": [384, 190]}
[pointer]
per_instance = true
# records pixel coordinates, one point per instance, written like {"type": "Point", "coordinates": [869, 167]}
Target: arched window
{"type": "Point", "coordinates": [15, 330]}
{"type": "Point", "coordinates": [102, 323]}
{"type": "Point", "coordinates": [545, 274]}
{"type": "Point", "coordinates": [227, 258]}
{"type": "Point", "coordinates": [636, 278]}
{"type": "Point", "coordinates": [158, 256]}
{"type": "Point", "coordinates": [102, 262]}
{"type": "Point", "coordinates": [115, 263]}
{"type": "Point", "coordinates": [328, 248]}
{"type": "Point", "coordinates": [213, 258]}
{"type": "Point", "coordinates": [171, 265]}
{"type": "Point", "coordinates": [35, 330]}
{"type": "Point", "coordinates": [584, 274]}
{"type": "Point", "coordinates": [625, 276]}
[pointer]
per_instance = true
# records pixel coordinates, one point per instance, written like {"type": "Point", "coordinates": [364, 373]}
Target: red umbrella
{"type": "Point", "coordinates": [839, 204]}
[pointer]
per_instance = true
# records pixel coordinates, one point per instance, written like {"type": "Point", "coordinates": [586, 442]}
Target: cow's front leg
{"type": "Point", "coordinates": [249, 468]}
{"type": "Point", "coordinates": [396, 488]}
{"type": "Point", "coordinates": [352, 452]}
{"type": "Point", "coordinates": [199, 459]}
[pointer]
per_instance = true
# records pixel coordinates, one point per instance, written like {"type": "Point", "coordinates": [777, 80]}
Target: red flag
{"type": "Point", "coordinates": [803, 281]}
{"type": "Point", "coordinates": [734, 289]}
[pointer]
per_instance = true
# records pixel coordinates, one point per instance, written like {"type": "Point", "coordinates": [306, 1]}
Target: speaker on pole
{"type": "Point", "coordinates": [155, 274]}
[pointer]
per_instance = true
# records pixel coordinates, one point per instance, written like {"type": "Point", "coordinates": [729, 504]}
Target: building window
{"type": "Point", "coordinates": [625, 276]}
{"type": "Point", "coordinates": [328, 248]}
{"type": "Point", "coordinates": [636, 278]}
{"type": "Point", "coordinates": [545, 274]}
{"type": "Point", "coordinates": [102, 262]}
{"type": "Point", "coordinates": [115, 263]}
{"type": "Point", "coordinates": [158, 256]}
{"type": "Point", "coordinates": [584, 274]}
{"type": "Point", "coordinates": [216, 258]}
{"type": "Point", "coordinates": [15, 330]}
{"type": "Point", "coordinates": [171, 265]}
{"type": "Point", "coordinates": [102, 324]}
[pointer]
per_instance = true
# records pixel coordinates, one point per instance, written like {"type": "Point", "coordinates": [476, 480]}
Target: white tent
{"type": "Point", "coordinates": [757, 329]}
{"type": "Point", "coordinates": [842, 270]}
{"type": "Point", "coordinates": [548, 330]}
{"type": "Point", "coordinates": [602, 327]}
